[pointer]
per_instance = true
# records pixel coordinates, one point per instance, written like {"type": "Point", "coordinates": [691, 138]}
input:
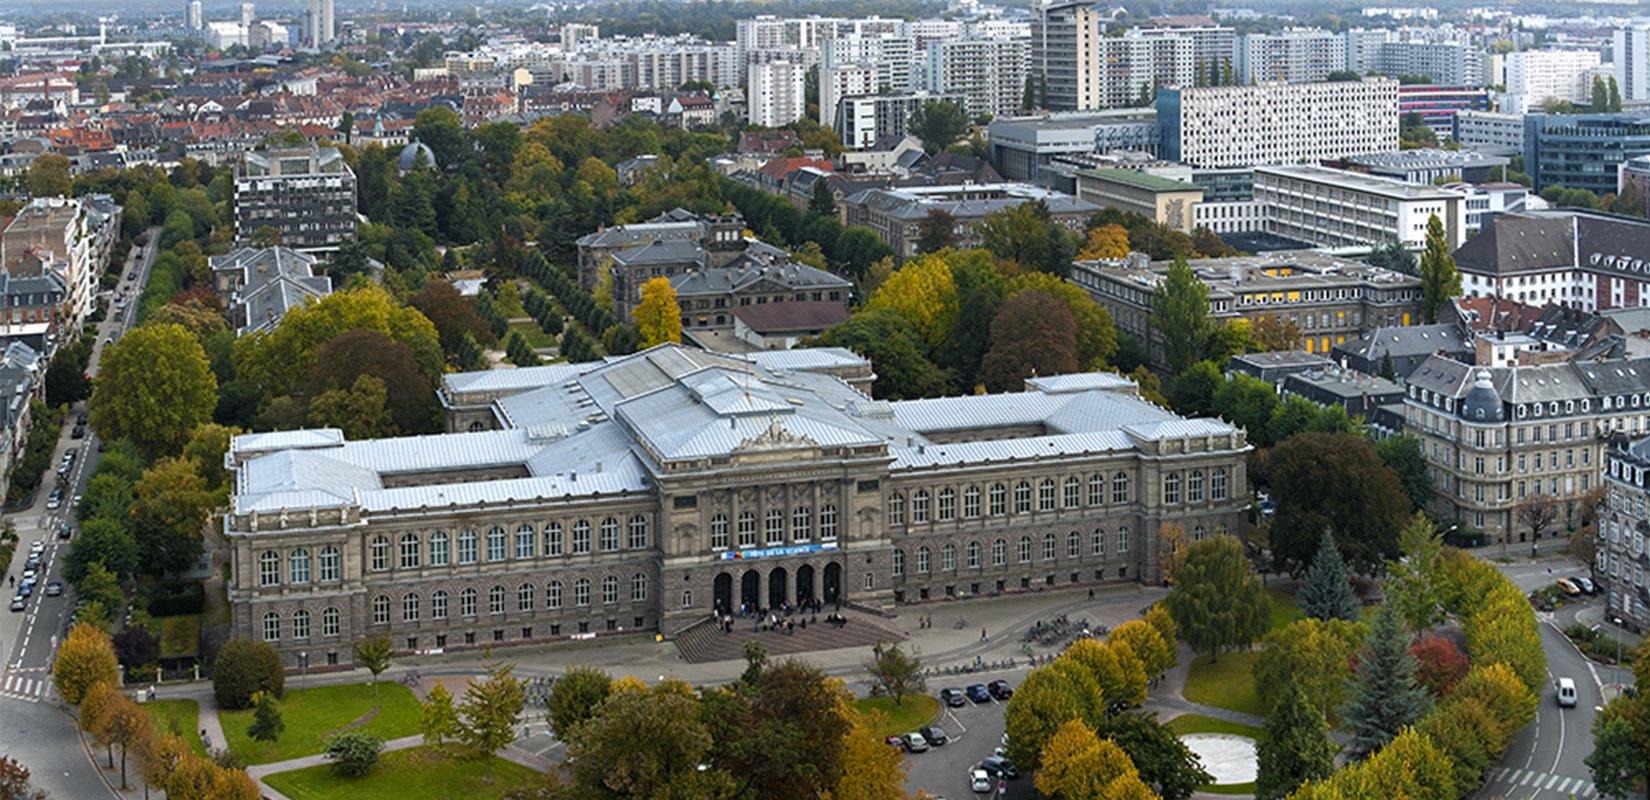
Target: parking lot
{"type": "Point", "coordinates": [974, 731]}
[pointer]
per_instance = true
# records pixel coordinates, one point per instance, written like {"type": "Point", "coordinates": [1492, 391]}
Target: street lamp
{"type": "Point", "coordinates": [303, 665]}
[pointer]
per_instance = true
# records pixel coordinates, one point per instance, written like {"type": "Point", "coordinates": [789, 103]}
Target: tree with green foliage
{"type": "Point", "coordinates": [1296, 750]}
{"type": "Point", "coordinates": [1165, 763]}
{"type": "Point", "coordinates": [822, 203]}
{"type": "Point", "coordinates": [1325, 481]}
{"type": "Point", "coordinates": [1217, 602]}
{"type": "Point", "coordinates": [897, 672]}
{"type": "Point", "coordinates": [938, 123]}
{"type": "Point", "coordinates": [609, 761]}
{"type": "Point", "coordinates": [49, 176]}
{"type": "Point", "coordinates": [1411, 585]}
{"type": "Point", "coordinates": [267, 725]}
{"type": "Point", "coordinates": [153, 387]}
{"type": "Point", "coordinates": [1194, 389]}
{"type": "Point", "coordinates": [353, 753]}
{"type": "Point", "coordinates": [1402, 454]}
{"type": "Point", "coordinates": [1386, 698]}
{"type": "Point", "coordinates": [1440, 281]}
{"type": "Point", "coordinates": [574, 698]}
{"type": "Point", "coordinates": [104, 542]}
{"type": "Point", "coordinates": [437, 718]}
{"type": "Point", "coordinates": [936, 231]}
{"type": "Point", "coordinates": [1028, 235]}
{"type": "Point", "coordinates": [1327, 592]}
{"type": "Point", "coordinates": [1314, 655]}
{"type": "Point", "coordinates": [897, 353]}
{"type": "Point", "coordinates": [243, 669]}
{"type": "Point", "coordinates": [99, 585]}
{"type": "Point", "coordinates": [1180, 316]}
{"type": "Point", "coordinates": [374, 654]}
{"type": "Point", "coordinates": [491, 711]}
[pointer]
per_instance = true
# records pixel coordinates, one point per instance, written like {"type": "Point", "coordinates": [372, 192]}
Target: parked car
{"type": "Point", "coordinates": [895, 742]}
{"type": "Point", "coordinates": [1000, 689]}
{"type": "Point", "coordinates": [997, 766]}
{"type": "Point", "coordinates": [18, 602]}
{"type": "Point", "coordinates": [914, 743]}
{"type": "Point", "coordinates": [65, 531]}
{"type": "Point", "coordinates": [1585, 584]}
{"type": "Point", "coordinates": [952, 696]}
{"type": "Point", "coordinates": [80, 420]}
{"type": "Point", "coordinates": [978, 693]}
{"type": "Point", "coordinates": [980, 781]}
{"type": "Point", "coordinates": [54, 588]}
{"type": "Point", "coordinates": [934, 734]}
{"type": "Point", "coordinates": [79, 432]}
{"type": "Point", "coordinates": [1570, 589]}
{"type": "Point", "coordinates": [25, 589]}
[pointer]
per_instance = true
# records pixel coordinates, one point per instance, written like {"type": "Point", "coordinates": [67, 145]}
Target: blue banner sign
{"type": "Point", "coordinates": [775, 552]}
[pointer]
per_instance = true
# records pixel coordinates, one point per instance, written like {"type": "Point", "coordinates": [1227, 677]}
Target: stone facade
{"type": "Point", "coordinates": [641, 494]}
{"type": "Point", "coordinates": [1622, 564]}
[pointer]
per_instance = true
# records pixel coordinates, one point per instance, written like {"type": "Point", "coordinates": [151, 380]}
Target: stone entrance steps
{"type": "Point", "coordinates": [707, 642]}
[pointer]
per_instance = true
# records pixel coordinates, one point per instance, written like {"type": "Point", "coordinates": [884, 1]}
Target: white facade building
{"type": "Point", "coordinates": [1536, 76]}
{"type": "Point", "coordinates": [990, 74]}
{"type": "Point", "coordinates": [1292, 56]}
{"type": "Point", "coordinates": [1277, 123]}
{"type": "Point", "coordinates": [776, 94]}
{"type": "Point", "coordinates": [1336, 208]}
{"type": "Point", "coordinates": [1631, 54]}
{"type": "Point", "coordinates": [846, 80]}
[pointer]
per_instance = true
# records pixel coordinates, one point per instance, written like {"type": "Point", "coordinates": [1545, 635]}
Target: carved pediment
{"type": "Point", "coordinates": [774, 437]}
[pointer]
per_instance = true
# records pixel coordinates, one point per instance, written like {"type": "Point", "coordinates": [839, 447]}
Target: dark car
{"type": "Point", "coordinates": [79, 432]}
{"type": "Point", "coordinates": [1000, 767]}
{"type": "Point", "coordinates": [65, 531]}
{"type": "Point", "coordinates": [978, 693]}
{"type": "Point", "coordinates": [81, 419]}
{"type": "Point", "coordinates": [1000, 689]}
{"type": "Point", "coordinates": [935, 735]}
{"type": "Point", "coordinates": [952, 697]}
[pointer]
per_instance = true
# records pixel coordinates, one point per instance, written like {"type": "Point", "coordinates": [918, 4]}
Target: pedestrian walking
{"type": "Point", "coordinates": [982, 634]}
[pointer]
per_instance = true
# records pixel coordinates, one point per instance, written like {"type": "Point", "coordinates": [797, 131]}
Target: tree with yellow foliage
{"type": "Point", "coordinates": [658, 316]}
{"type": "Point", "coordinates": [1155, 654]}
{"type": "Point", "coordinates": [924, 292]}
{"type": "Point", "coordinates": [1079, 765]}
{"type": "Point", "coordinates": [871, 770]}
{"type": "Point", "coordinates": [86, 659]}
{"type": "Point", "coordinates": [1109, 242]}
{"type": "Point", "coordinates": [1171, 549]}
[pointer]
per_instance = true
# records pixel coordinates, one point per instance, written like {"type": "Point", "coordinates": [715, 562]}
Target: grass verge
{"type": "Point", "coordinates": [311, 715]}
{"type": "Point", "coordinates": [1228, 683]}
{"type": "Point", "coordinates": [916, 711]}
{"type": "Point", "coordinates": [416, 773]}
{"type": "Point", "coordinates": [181, 717]}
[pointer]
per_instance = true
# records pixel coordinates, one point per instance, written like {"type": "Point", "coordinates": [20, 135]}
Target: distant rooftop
{"type": "Point", "coordinates": [1357, 181]}
{"type": "Point", "coordinates": [1141, 180]}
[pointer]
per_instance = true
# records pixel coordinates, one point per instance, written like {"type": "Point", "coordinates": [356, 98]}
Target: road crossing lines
{"type": "Point", "coordinates": [29, 687]}
{"type": "Point", "coordinates": [1523, 784]}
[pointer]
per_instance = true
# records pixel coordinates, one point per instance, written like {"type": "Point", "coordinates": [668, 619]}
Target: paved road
{"type": "Point", "coordinates": [974, 731]}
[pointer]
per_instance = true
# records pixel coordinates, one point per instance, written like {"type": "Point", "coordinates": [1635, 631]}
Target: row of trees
{"type": "Point", "coordinates": [86, 675]}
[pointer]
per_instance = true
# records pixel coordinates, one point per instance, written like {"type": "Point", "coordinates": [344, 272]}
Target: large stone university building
{"type": "Point", "coordinates": [641, 493]}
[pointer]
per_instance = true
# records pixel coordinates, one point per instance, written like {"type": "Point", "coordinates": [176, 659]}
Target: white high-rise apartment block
{"type": "Point", "coordinates": [990, 74]}
{"type": "Point", "coordinates": [1445, 63]}
{"type": "Point", "coordinates": [1277, 123]}
{"type": "Point", "coordinates": [652, 62]}
{"type": "Point", "coordinates": [1536, 76]}
{"type": "Point", "coordinates": [1363, 48]}
{"type": "Point", "coordinates": [1065, 54]}
{"type": "Point", "coordinates": [894, 57]}
{"type": "Point", "coordinates": [1298, 55]}
{"type": "Point", "coordinates": [248, 14]}
{"type": "Point", "coordinates": [776, 94]}
{"type": "Point", "coordinates": [573, 34]}
{"type": "Point", "coordinates": [1632, 62]}
{"type": "Point", "coordinates": [798, 40]}
{"type": "Point", "coordinates": [847, 80]}
{"type": "Point", "coordinates": [192, 15]}
{"type": "Point", "coordinates": [1000, 29]}
{"type": "Point", "coordinates": [1132, 67]}
{"type": "Point", "coordinates": [929, 31]}
{"type": "Point", "coordinates": [318, 24]}
{"type": "Point", "coordinates": [1214, 47]}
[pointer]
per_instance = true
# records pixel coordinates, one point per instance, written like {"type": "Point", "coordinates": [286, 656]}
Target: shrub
{"type": "Point", "coordinates": [243, 669]}
{"type": "Point", "coordinates": [353, 753]}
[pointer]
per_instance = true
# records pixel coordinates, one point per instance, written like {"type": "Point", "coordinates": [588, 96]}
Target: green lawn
{"type": "Point", "coordinates": [1285, 610]}
{"type": "Point", "coordinates": [1228, 683]}
{"type": "Point", "coordinates": [412, 774]}
{"type": "Point", "coordinates": [181, 717]}
{"type": "Point", "coordinates": [535, 336]}
{"type": "Point", "coordinates": [1197, 723]}
{"type": "Point", "coordinates": [311, 715]}
{"type": "Point", "coordinates": [915, 712]}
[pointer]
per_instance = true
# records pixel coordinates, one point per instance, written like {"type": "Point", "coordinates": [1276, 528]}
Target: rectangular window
{"type": "Point", "coordinates": [971, 502]}
{"type": "Point", "coordinates": [1122, 542]}
{"type": "Point", "coordinates": [525, 547]}
{"type": "Point", "coordinates": [495, 544]}
{"type": "Point", "coordinates": [438, 606]}
{"type": "Point", "coordinates": [467, 547]}
{"type": "Point", "coordinates": [581, 538]}
{"type": "Point", "coordinates": [999, 500]}
{"type": "Point", "coordinates": [554, 545]}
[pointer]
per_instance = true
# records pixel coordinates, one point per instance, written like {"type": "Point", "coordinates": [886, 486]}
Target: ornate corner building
{"type": "Point", "coordinates": [642, 493]}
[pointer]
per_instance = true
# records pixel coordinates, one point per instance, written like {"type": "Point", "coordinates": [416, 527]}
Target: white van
{"type": "Point", "coordinates": [1566, 693]}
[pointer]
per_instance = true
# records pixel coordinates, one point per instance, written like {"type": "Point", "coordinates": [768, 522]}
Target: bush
{"type": "Point", "coordinates": [243, 669]}
{"type": "Point", "coordinates": [1598, 645]}
{"type": "Point", "coordinates": [177, 598]}
{"type": "Point", "coordinates": [354, 753]}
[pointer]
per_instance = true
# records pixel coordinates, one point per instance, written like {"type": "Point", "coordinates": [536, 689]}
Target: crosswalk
{"type": "Point", "coordinates": [1520, 784]}
{"type": "Point", "coordinates": [28, 686]}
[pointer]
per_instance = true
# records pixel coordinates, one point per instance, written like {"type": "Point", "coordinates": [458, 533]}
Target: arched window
{"type": "Point", "coordinates": [554, 544]}
{"type": "Point", "coordinates": [638, 533]}
{"type": "Point", "coordinates": [919, 506]}
{"type": "Point", "coordinates": [999, 553]}
{"type": "Point", "coordinates": [438, 604]}
{"type": "Point", "coordinates": [948, 558]}
{"type": "Point", "coordinates": [1074, 545]}
{"type": "Point", "coordinates": [899, 563]}
{"type": "Point", "coordinates": [300, 624]}
{"type": "Point", "coordinates": [467, 603]}
{"type": "Point", "coordinates": [329, 564]}
{"type": "Point", "coordinates": [552, 596]}
{"type": "Point", "coordinates": [411, 551]}
{"type": "Point", "coordinates": [298, 566]}
{"type": "Point", "coordinates": [1194, 486]}
{"type": "Point", "coordinates": [467, 547]}
{"type": "Point", "coordinates": [896, 509]}
{"type": "Point", "coordinates": [272, 627]}
{"type": "Point", "coordinates": [719, 532]}
{"type": "Point", "coordinates": [381, 610]}
{"type": "Point", "coordinates": [329, 621]}
{"type": "Point", "coordinates": [1120, 488]}
{"type": "Point", "coordinates": [438, 549]}
{"type": "Point", "coordinates": [610, 535]}
{"type": "Point", "coordinates": [409, 608]}
{"type": "Point", "coordinates": [638, 588]}
{"type": "Point", "coordinates": [1048, 547]}
{"type": "Point", "coordinates": [581, 537]}
{"type": "Point", "coordinates": [610, 590]}
{"type": "Point", "coordinates": [524, 597]}
{"type": "Point", "coordinates": [1171, 488]}
{"type": "Point", "coordinates": [581, 592]}
{"type": "Point", "coordinates": [827, 523]}
{"type": "Point", "coordinates": [269, 568]}
{"type": "Point", "coordinates": [802, 524]}
{"type": "Point", "coordinates": [495, 544]}
{"type": "Point", "coordinates": [495, 600]}
{"type": "Point", "coordinates": [923, 556]}
{"type": "Point", "coordinates": [973, 555]}
{"type": "Point", "coordinates": [773, 527]}
{"type": "Point", "coordinates": [1025, 549]}
{"type": "Point", "coordinates": [525, 546]}
{"type": "Point", "coordinates": [747, 529]}
{"type": "Point", "coordinates": [948, 504]}
{"type": "Point", "coordinates": [380, 553]}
